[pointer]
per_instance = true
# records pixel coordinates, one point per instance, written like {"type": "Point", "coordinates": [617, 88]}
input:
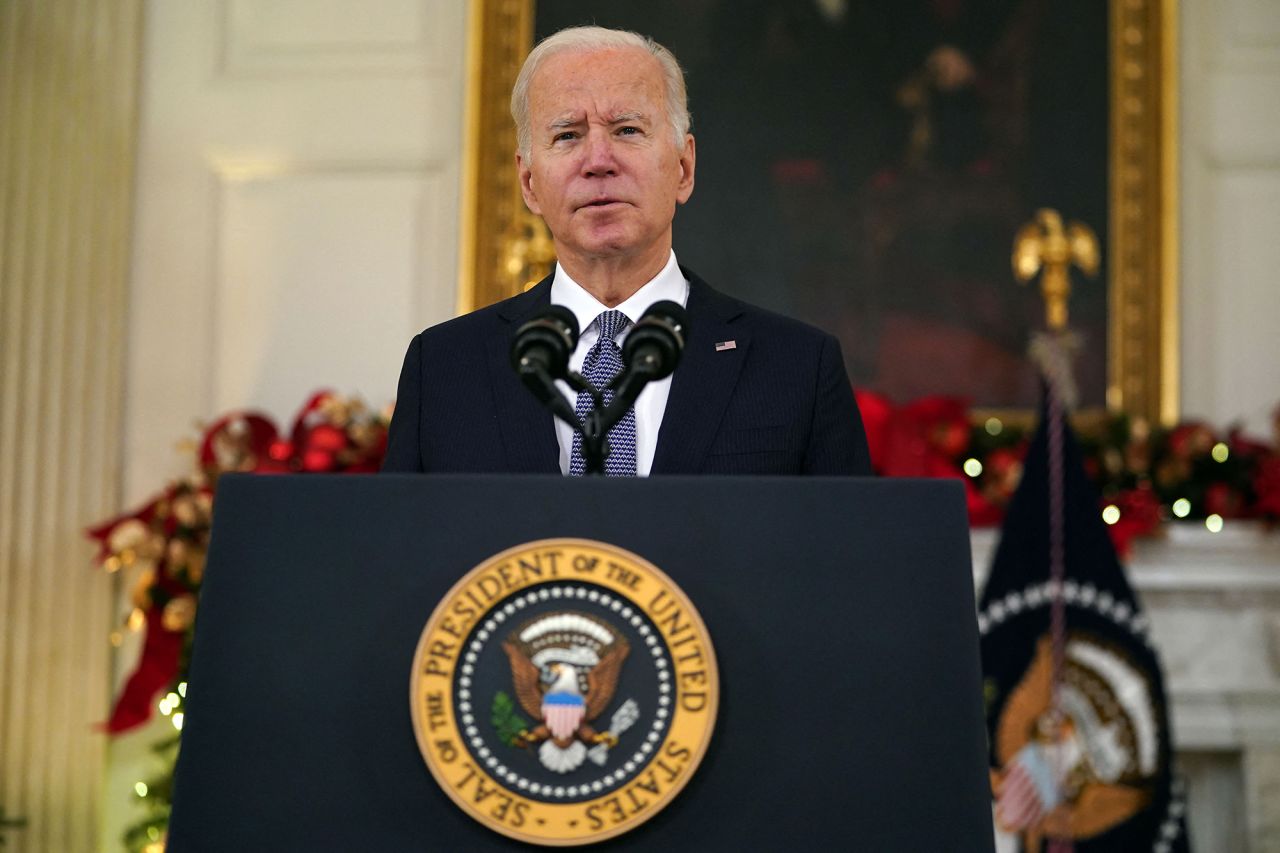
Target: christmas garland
{"type": "Point", "coordinates": [1145, 475]}
{"type": "Point", "coordinates": [167, 539]}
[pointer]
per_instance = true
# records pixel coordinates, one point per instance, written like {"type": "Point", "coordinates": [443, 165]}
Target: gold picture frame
{"type": "Point", "coordinates": [504, 247]}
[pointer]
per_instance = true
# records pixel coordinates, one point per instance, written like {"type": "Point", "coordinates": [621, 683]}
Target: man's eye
{"type": "Point", "coordinates": [628, 131]}
{"type": "Point", "coordinates": [560, 137]}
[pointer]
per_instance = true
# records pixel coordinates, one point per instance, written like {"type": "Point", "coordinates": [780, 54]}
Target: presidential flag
{"type": "Point", "coordinates": [1080, 746]}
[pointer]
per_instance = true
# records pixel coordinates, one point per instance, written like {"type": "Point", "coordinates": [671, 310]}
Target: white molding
{"type": "Point", "coordinates": [1236, 720]}
{"type": "Point", "coordinates": [1237, 44]}
{"type": "Point", "coordinates": [1182, 557]}
{"type": "Point", "coordinates": [244, 54]}
{"type": "Point", "coordinates": [415, 262]}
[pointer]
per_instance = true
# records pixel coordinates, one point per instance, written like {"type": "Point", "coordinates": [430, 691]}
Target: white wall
{"type": "Point", "coordinates": [1230, 220]}
{"type": "Point", "coordinates": [298, 174]}
{"type": "Point", "coordinates": [296, 224]}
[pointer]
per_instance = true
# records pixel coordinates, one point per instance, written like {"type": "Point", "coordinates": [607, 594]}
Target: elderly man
{"type": "Point", "coordinates": [605, 155]}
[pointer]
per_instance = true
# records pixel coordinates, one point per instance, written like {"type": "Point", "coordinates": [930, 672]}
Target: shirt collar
{"type": "Point", "coordinates": [669, 283]}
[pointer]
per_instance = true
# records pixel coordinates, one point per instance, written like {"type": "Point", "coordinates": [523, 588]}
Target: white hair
{"type": "Point", "coordinates": [585, 40]}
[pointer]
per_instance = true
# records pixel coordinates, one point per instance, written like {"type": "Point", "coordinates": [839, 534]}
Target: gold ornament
{"type": "Point", "coordinates": [129, 533]}
{"type": "Point", "coordinates": [179, 613]}
{"type": "Point", "coordinates": [184, 509]}
{"type": "Point", "coordinates": [338, 411]}
{"type": "Point", "coordinates": [528, 251]}
{"type": "Point", "coordinates": [1044, 244]}
{"type": "Point", "coordinates": [141, 596]}
{"type": "Point", "coordinates": [363, 435]}
{"type": "Point", "coordinates": [177, 554]}
{"type": "Point", "coordinates": [153, 546]}
{"type": "Point", "coordinates": [195, 566]}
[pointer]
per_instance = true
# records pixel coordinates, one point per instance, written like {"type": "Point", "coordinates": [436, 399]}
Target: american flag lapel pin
{"type": "Point", "coordinates": [721, 346]}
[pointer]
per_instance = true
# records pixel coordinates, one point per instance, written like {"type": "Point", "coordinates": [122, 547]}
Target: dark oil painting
{"type": "Point", "coordinates": [863, 165]}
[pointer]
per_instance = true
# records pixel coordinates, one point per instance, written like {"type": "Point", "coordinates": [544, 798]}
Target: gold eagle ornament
{"type": "Point", "coordinates": [1046, 244]}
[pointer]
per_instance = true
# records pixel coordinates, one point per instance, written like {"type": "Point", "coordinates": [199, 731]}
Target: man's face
{"type": "Point", "coordinates": [603, 170]}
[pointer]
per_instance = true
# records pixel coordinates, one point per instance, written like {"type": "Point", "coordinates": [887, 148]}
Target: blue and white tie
{"type": "Point", "coordinates": [603, 362]}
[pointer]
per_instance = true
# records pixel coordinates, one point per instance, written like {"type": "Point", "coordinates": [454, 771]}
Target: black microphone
{"type": "Point", "coordinates": [652, 348]}
{"type": "Point", "coordinates": [545, 343]}
{"type": "Point", "coordinates": [540, 355]}
{"type": "Point", "coordinates": [650, 352]}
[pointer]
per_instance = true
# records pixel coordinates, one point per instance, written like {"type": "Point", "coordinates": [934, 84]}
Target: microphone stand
{"type": "Point", "coordinates": [594, 429]}
{"type": "Point", "coordinates": [626, 386]}
{"type": "Point", "coordinates": [645, 366]}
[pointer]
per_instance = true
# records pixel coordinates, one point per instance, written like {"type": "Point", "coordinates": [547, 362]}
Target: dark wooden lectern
{"type": "Point", "coordinates": [841, 610]}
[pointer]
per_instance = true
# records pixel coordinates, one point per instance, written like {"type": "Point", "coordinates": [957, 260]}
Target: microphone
{"type": "Point", "coordinates": [545, 343]}
{"type": "Point", "coordinates": [650, 352]}
{"type": "Point", "coordinates": [652, 348]}
{"type": "Point", "coordinates": [540, 355]}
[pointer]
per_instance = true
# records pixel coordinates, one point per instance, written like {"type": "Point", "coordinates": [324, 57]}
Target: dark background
{"type": "Point", "coordinates": [840, 182]}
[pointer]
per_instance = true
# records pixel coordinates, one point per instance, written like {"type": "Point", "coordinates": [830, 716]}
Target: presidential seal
{"type": "Point", "coordinates": [1088, 758]}
{"type": "Point", "coordinates": [563, 692]}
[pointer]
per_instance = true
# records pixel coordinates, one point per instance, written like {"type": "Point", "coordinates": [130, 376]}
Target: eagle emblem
{"type": "Point", "coordinates": [565, 668]}
{"type": "Point", "coordinates": [1092, 770]}
{"type": "Point", "coordinates": [539, 710]}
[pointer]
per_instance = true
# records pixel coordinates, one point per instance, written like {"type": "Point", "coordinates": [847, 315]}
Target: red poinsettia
{"type": "Point", "coordinates": [920, 439]}
{"type": "Point", "coordinates": [1266, 487]}
{"type": "Point", "coordinates": [1224, 500]}
{"type": "Point", "coordinates": [925, 438]}
{"type": "Point", "coordinates": [1190, 440]}
{"type": "Point", "coordinates": [1139, 516]}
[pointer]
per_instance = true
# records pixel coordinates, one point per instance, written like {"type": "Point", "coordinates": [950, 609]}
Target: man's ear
{"type": "Point", "coordinates": [688, 159]}
{"type": "Point", "coordinates": [526, 185]}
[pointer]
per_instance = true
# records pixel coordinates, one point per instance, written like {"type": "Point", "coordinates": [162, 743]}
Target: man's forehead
{"type": "Point", "coordinates": [609, 115]}
{"type": "Point", "coordinates": [626, 78]}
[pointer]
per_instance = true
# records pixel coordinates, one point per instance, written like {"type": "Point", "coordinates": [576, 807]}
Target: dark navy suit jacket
{"type": "Point", "coordinates": [778, 402]}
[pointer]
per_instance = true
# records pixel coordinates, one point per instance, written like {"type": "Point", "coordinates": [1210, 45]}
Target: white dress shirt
{"type": "Point", "coordinates": [670, 284]}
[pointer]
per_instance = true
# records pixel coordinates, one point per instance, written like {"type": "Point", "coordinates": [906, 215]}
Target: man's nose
{"type": "Point", "coordinates": [598, 155]}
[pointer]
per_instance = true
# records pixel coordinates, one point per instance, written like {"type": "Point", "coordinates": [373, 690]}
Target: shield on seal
{"type": "Point", "coordinates": [563, 713]}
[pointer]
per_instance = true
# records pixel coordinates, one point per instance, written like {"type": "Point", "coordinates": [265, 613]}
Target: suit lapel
{"type": "Point", "coordinates": [704, 381]}
{"type": "Point", "coordinates": [528, 431]}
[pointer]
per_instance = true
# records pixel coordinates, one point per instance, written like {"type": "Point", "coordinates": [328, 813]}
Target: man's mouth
{"type": "Point", "coordinates": [602, 202]}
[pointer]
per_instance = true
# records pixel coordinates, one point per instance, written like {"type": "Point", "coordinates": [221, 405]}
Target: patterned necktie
{"type": "Point", "coordinates": [603, 362]}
